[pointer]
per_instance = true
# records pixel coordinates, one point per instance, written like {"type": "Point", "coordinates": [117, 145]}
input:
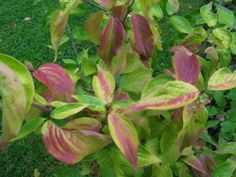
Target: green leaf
{"type": "Point", "coordinates": [223, 79]}
{"type": "Point", "coordinates": [225, 169]}
{"type": "Point", "coordinates": [135, 81]}
{"type": "Point", "coordinates": [208, 16]}
{"type": "Point", "coordinates": [23, 75]}
{"type": "Point", "coordinates": [93, 103]}
{"type": "Point", "coordinates": [223, 36]}
{"type": "Point", "coordinates": [40, 99]}
{"type": "Point", "coordinates": [146, 158]}
{"type": "Point", "coordinates": [67, 110]}
{"type": "Point", "coordinates": [28, 128]}
{"type": "Point", "coordinates": [163, 170]}
{"type": "Point", "coordinates": [229, 148]}
{"type": "Point", "coordinates": [157, 11]}
{"type": "Point", "coordinates": [172, 6]}
{"type": "Point", "coordinates": [225, 16]}
{"type": "Point", "coordinates": [181, 24]}
{"type": "Point", "coordinates": [233, 44]}
{"type": "Point", "coordinates": [155, 85]}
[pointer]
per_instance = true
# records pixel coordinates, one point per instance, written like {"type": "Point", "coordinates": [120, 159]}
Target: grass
{"type": "Point", "coordinates": [24, 34]}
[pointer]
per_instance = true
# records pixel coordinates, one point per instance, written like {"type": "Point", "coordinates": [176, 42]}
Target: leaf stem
{"type": "Point", "coordinates": [97, 5]}
{"type": "Point", "coordinates": [40, 107]}
{"type": "Point", "coordinates": [128, 12]}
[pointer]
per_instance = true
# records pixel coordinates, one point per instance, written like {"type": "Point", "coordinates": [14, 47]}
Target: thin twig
{"type": "Point", "coordinates": [204, 44]}
{"type": "Point", "coordinates": [42, 108]}
{"type": "Point", "coordinates": [97, 5]}
{"type": "Point", "coordinates": [129, 10]}
{"type": "Point", "coordinates": [72, 39]}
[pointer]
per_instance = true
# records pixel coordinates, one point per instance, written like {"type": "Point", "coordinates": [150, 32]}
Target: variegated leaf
{"type": "Point", "coordinates": [125, 136]}
{"type": "Point", "coordinates": [111, 40]}
{"type": "Point", "coordinates": [69, 147]}
{"type": "Point", "coordinates": [174, 94]}
{"type": "Point", "coordinates": [195, 163]}
{"type": "Point", "coordinates": [194, 119]}
{"type": "Point", "coordinates": [58, 24]}
{"type": "Point", "coordinates": [144, 42]}
{"type": "Point", "coordinates": [57, 28]}
{"type": "Point", "coordinates": [104, 85]}
{"type": "Point", "coordinates": [186, 65]}
{"type": "Point", "coordinates": [14, 104]}
{"type": "Point", "coordinates": [223, 79]}
{"type": "Point", "coordinates": [60, 85]}
{"type": "Point", "coordinates": [23, 75]}
{"type": "Point", "coordinates": [83, 123]}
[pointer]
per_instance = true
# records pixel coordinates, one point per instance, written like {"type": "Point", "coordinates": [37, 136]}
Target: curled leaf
{"type": "Point", "coordinates": [60, 85]}
{"type": "Point", "coordinates": [223, 79]}
{"type": "Point", "coordinates": [104, 85]}
{"type": "Point", "coordinates": [111, 40]}
{"type": "Point", "coordinates": [144, 42]}
{"type": "Point", "coordinates": [174, 94]}
{"type": "Point", "coordinates": [125, 136]}
{"type": "Point", "coordinates": [186, 65]}
{"type": "Point", "coordinates": [69, 147]}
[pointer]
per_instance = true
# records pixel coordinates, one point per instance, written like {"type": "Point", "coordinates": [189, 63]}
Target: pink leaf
{"type": "Point", "coordinates": [125, 136]}
{"type": "Point", "coordinates": [144, 42]}
{"type": "Point", "coordinates": [104, 85]}
{"type": "Point", "coordinates": [71, 148]}
{"type": "Point", "coordinates": [60, 85]}
{"type": "Point", "coordinates": [186, 65]}
{"type": "Point", "coordinates": [111, 40]}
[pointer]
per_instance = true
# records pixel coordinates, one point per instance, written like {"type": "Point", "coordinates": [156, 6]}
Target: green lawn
{"type": "Point", "coordinates": [24, 34]}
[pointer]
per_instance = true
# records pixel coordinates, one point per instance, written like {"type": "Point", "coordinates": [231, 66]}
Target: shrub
{"type": "Point", "coordinates": [109, 112]}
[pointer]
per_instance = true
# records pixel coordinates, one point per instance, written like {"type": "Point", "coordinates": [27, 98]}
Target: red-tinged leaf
{"type": "Point", "coordinates": [186, 65]}
{"type": "Point", "coordinates": [120, 11]}
{"type": "Point", "coordinates": [92, 27]}
{"type": "Point", "coordinates": [58, 25]}
{"type": "Point", "coordinates": [222, 79]}
{"type": "Point", "coordinates": [194, 119]}
{"type": "Point", "coordinates": [60, 85]}
{"type": "Point", "coordinates": [208, 163]}
{"type": "Point", "coordinates": [71, 148]}
{"type": "Point", "coordinates": [174, 94]}
{"type": "Point", "coordinates": [57, 29]}
{"type": "Point", "coordinates": [144, 42]}
{"type": "Point", "coordinates": [83, 123]}
{"type": "Point", "coordinates": [196, 164]}
{"type": "Point", "coordinates": [111, 40]}
{"type": "Point", "coordinates": [125, 136]}
{"type": "Point", "coordinates": [14, 104]}
{"type": "Point", "coordinates": [104, 85]}
{"type": "Point", "coordinates": [106, 3]}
